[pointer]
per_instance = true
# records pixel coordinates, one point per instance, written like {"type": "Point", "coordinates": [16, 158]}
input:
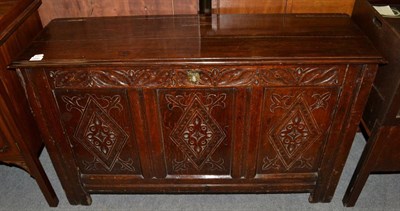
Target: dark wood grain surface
{"type": "Point", "coordinates": [52, 9]}
{"type": "Point", "coordinates": [166, 38]}
{"type": "Point", "coordinates": [320, 6]}
{"type": "Point", "coordinates": [249, 7]}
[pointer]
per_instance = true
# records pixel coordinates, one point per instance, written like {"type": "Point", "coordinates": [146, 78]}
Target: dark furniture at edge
{"type": "Point", "coordinates": [178, 104]}
{"type": "Point", "coordinates": [381, 118]}
{"type": "Point", "coordinates": [20, 140]}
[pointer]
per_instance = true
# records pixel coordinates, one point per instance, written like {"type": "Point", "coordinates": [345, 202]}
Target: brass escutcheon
{"type": "Point", "coordinates": [193, 76]}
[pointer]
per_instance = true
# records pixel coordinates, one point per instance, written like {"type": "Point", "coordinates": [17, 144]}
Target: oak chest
{"type": "Point", "coordinates": [226, 103]}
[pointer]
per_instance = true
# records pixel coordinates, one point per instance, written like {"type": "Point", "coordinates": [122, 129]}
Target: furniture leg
{"type": "Point", "coordinates": [364, 167]}
{"type": "Point", "coordinates": [38, 173]}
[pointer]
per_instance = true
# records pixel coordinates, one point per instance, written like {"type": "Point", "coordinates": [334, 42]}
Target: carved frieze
{"type": "Point", "coordinates": [207, 76]}
{"type": "Point", "coordinates": [301, 76]}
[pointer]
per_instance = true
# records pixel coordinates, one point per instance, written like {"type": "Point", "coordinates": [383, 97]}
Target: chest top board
{"type": "Point", "coordinates": [225, 103]}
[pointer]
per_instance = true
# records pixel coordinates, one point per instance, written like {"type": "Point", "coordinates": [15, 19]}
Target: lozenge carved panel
{"type": "Point", "coordinates": [295, 127]}
{"type": "Point", "coordinates": [197, 126]}
{"type": "Point", "coordinates": [97, 124]}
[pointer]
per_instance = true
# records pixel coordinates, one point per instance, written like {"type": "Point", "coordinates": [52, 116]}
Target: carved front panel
{"type": "Point", "coordinates": [295, 127]}
{"type": "Point", "coordinates": [98, 125]}
{"type": "Point", "coordinates": [197, 126]}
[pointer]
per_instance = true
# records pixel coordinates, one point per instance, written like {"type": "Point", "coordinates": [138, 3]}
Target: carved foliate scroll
{"type": "Point", "coordinates": [207, 76]}
{"type": "Point", "coordinates": [301, 76]}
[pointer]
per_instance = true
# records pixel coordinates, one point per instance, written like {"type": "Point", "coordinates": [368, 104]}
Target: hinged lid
{"type": "Point", "coordinates": [194, 39]}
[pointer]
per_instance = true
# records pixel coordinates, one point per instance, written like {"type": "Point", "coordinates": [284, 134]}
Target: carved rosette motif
{"type": "Point", "coordinates": [197, 134]}
{"type": "Point", "coordinates": [297, 131]}
{"type": "Point", "coordinates": [98, 132]}
{"type": "Point", "coordinates": [208, 76]}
